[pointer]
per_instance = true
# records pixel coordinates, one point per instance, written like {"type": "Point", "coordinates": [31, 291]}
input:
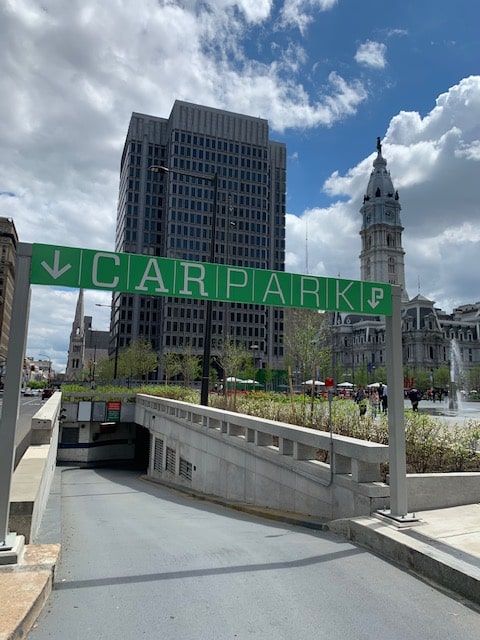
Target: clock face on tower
{"type": "Point", "coordinates": [389, 213]}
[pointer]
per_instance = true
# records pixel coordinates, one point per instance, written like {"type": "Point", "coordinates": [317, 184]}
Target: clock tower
{"type": "Point", "coordinates": [382, 255]}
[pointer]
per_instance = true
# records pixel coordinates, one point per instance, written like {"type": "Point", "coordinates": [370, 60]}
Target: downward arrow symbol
{"type": "Point", "coordinates": [377, 295]}
{"type": "Point", "coordinates": [55, 271]}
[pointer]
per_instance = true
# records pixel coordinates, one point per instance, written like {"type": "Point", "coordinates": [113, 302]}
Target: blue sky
{"type": "Point", "coordinates": [329, 75]}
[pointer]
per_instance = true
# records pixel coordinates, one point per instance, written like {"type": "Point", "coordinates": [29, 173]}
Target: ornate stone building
{"type": "Point", "coordinates": [431, 338]}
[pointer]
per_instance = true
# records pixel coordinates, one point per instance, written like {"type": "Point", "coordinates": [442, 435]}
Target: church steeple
{"type": "Point", "coordinates": [76, 348]}
{"type": "Point", "coordinates": [382, 255]}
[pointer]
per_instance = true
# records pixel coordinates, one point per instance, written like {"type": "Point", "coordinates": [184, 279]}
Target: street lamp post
{"type": "Point", "coordinates": [209, 306]}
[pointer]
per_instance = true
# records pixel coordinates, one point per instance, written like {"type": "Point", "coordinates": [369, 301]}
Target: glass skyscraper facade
{"type": "Point", "coordinates": [170, 215]}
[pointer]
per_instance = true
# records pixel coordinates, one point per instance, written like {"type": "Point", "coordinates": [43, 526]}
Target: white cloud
{"type": "Point", "coordinates": [300, 13]}
{"type": "Point", "coordinates": [52, 313]}
{"type": "Point", "coordinates": [255, 10]}
{"type": "Point", "coordinates": [72, 73]}
{"type": "Point", "coordinates": [372, 54]}
{"type": "Point", "coordinates": [434, 163]}
{"type": "Point", "coordinates": [396, 32]}
{"type": "Point", "coordinates": [73, 78]}
{"type": "Point", "coordinates": [327, 236]}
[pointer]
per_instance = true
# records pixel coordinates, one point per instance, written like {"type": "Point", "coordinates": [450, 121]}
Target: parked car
{"type": "Point", "coordinates": [31, 392]}
{"type": "Point", "coordinates": [46, 393]}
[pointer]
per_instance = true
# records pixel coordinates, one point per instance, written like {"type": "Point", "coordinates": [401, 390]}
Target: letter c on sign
{"type": "Point", "coordinates": [96, 260]}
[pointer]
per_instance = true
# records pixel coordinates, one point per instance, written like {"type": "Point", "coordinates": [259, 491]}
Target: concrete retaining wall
{"type": "Point", "coordinates": [440, 490]}
{"type": "Point", "coordinates": [32, 478]}
{"type": "Point", "coordinates": [233, 456]}
{"type": "Point", "coordinates": [261, 462]}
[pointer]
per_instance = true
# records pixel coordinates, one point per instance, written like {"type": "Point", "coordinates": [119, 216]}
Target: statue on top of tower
{"type": "Point", "coordinates": [379, 145]}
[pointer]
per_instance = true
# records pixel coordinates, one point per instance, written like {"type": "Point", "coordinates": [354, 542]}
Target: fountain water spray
{"type": "Point", "coordinates": [456, 370]}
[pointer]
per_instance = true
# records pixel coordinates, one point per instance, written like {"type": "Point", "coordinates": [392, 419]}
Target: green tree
{"type": "Point", "coordinates": [104, 369]}
{"type": "Point", "coordinates": [266, 377]}
{"type": "Point", "coordinates": [361, 375]}
{"type": "Point", "coordinates": [171, 365]}
{"type": "Point", "coordinates": [307, 342]}
{"type": "Point", "coordinates": [137, 360]}
{"type": "Point", "coordinates": [232, 360]}
{"type": "Point", "coordinates": [474, 378]}
{"type": "Point", "coordinates": [189, 365]}
{"type": "Point", "coordinates": [379, 374]}
{"type": "Point", "coordinates": [441, 377]}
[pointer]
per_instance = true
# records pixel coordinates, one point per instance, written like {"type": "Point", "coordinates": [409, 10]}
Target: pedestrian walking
{"type": "Point", "coordinates": [414, 396]}
{"type": "Point", "coordinates": [374, 402]}
{"type": "Point", "coordinates": [361, 400]}
{"type": "Point", "coordinates": [383, 394]}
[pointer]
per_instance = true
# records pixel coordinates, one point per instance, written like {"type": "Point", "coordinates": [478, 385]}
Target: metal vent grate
{"type": "Point", "coordinates": [158, 455]}
{"type": "Point", "coordinates": [170, 462]}
{"type": "Point", "coordinates": [185, 469]}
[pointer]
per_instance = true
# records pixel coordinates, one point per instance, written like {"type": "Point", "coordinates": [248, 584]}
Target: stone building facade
{"type": "Point", "coordinates": [431, 337]}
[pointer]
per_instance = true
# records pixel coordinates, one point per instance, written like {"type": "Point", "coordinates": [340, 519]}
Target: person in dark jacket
{"type": "Point", "coordinates": [361, 400]}
{"type": "Point", "coordinates": [414, 397]}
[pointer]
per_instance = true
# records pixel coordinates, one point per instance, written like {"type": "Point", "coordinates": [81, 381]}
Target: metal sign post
{"type": "Point", "coordinates": [11, 392]}
{"type": "Point", "coordinates": [396, 422]}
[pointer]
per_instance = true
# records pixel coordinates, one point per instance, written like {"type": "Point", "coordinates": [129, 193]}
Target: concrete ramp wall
{"type": "Point", "coordinates": [262, 462]}
{"type": "Point", "coordinates": [33, 476]}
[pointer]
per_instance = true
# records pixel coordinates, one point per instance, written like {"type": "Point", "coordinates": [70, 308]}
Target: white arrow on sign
{"type": "Point", "coordinates": [377, 296]}
{"type": "Point", "coordinates": [55, 271]}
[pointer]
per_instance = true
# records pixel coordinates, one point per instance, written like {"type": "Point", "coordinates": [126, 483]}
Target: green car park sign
{"type": "Point", "coordinates": [60, 266]}
{"type": "Point", "coordinates": [146, 275]}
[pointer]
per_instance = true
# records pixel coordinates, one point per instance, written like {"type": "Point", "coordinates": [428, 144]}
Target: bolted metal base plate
{"type": "Point", "coordinates": [407, 519]}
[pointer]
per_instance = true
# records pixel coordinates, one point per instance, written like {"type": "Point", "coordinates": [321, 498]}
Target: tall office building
{"type": "Point", "coordinates": [170, 215]}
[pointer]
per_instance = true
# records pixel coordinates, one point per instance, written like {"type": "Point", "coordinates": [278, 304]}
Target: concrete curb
{"type": "Point", "coordinates": [408, 548]}
{"type": "Point", "coordinates": [296, 519]}
{"type": "Point", "coordinates": [25, 587]}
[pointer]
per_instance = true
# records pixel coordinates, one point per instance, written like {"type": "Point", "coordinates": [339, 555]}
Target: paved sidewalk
{"type": "Point", "coordinates": [443, 546]}
{"type": "Point", "coordinates": [24, 589]}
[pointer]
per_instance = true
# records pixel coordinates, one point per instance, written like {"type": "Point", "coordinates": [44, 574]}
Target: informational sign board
{"type": "Point", "coordinates": [133, 273]}
{"type": "Point", "coordinates": [113, 411]}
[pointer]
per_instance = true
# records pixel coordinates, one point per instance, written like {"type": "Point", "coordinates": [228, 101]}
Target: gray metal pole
{"type": "Point", "coordinates": [11, 393]}
{"type": "Point", "coordinates": [396, 426]}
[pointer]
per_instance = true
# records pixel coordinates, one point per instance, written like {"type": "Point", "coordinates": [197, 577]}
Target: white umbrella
{"type": "Point", "coordinates": [345, 384]}
{"type": "Point", "coordinates": [374, 385]}
{"type": "Point", "coordinates": [315, 383]}
{"type": "Point", "coordinates": [232, 379]}
{"type": "Point", "coordinates": [250, 382]}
